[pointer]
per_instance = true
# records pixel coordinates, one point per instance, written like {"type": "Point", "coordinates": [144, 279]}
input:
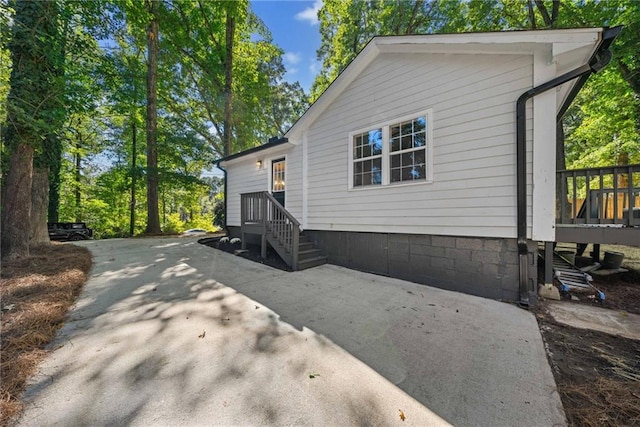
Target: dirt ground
{"type": "Point", "coordinates": [598, 375]}
{"type": "Point", "coordinates": [253, 252]}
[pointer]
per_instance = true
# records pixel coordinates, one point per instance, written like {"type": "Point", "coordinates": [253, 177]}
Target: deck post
{"type": "Point", "coordinates": [595, 254]}
{"type": "Point", "coordinates": [263, 236]}
{"type": "Point", "coordinates": [296, 245]}
{"type": "Point", "coordinates": [548, 263]}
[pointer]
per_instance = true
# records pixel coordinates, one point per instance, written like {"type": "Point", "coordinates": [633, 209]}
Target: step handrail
{"type": "Point", "coordinates": [262, 208]}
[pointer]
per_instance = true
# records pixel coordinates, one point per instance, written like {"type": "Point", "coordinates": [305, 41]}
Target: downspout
{"type": "Point", "coordinates": [224, 171]}
{"type": "Point", "coordinates": [599, 60]}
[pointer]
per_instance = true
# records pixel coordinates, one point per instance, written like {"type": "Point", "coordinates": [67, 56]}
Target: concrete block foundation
{"type": "Point", "coordinates": [482, 266]}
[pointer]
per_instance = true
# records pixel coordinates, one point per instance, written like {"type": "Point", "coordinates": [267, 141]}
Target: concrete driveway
{"type": "Point", "coordinates": [170, 332]}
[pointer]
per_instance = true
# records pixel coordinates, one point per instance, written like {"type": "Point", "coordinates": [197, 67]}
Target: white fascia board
{"type": "Point", "coordinates": [577, 35]}
{"type": "Point", "coordinates": [560, 48]}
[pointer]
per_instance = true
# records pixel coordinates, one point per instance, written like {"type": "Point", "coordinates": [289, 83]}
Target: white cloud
{"type": "Point", "coordinates": [291, 58]}
{"type": "Point", "coordinates": [292, 70]}
{"type": "Point", "coordinates": [314, 66]}
{"type": "Point", "coordinates": [311, 13]}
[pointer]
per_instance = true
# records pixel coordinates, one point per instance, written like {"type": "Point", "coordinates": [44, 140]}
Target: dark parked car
{"type": "Point", "coordinates": [69, 231]}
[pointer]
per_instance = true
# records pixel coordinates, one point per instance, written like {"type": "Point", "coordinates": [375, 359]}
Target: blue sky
{"type": "Point", "coordinates": [294, 25]}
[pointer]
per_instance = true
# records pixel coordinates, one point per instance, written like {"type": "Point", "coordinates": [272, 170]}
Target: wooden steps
{"type": "Point", "coordinates": [308, 255]}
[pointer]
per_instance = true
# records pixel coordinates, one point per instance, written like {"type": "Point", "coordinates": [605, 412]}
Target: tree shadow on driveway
{"type": "Point", "coordinates": [158, 337]}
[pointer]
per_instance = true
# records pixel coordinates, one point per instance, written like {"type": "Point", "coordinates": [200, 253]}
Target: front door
{"type": "Point", "coordinates": [277, 180]}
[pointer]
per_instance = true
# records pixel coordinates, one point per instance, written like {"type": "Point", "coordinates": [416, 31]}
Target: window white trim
{"type": "Point", "coordinates": [386, 152]}
{"type": "Point", "coordinates": [269, 165]}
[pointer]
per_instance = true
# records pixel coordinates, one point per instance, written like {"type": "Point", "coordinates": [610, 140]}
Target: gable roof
{"type": "Point", "coordinates": [568, 47]}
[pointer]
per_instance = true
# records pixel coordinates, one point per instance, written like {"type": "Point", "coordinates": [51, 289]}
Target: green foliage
{"type": "Point", "coordinates": [34, 102]}
{"type": "Point", "coordinates": [6, 15]}
{"type": "Point", "coordinates": [219, 219]}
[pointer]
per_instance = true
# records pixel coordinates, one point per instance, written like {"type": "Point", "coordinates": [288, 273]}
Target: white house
{"type": "Point", "coordinates": [407, 165]}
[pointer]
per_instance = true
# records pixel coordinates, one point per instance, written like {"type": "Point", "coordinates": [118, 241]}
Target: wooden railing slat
{"type": "Point", "coordinates": [607, 198]}
{"type": "Point", "coordinates": [263, 209]}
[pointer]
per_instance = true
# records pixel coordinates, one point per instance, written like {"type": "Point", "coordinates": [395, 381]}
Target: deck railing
{"type": "Point", "coordinates": [604, 195]}
{"type": "Point", "coordinates": [262, 209]}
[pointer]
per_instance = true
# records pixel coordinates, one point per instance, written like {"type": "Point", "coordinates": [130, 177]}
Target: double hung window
{"type": "Point", "coordinates": [367, 158]}
{"type": "Point", "coordinates": [396, 152]}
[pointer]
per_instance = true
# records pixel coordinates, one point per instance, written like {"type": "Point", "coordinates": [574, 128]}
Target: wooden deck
{"type": "Point", "coordinates": [599, 205]}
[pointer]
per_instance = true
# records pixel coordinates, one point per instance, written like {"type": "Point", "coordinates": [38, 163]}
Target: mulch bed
{"type": "Point", "coordinates": [36, 293]}
{"type": "Point", "coordinates": [253, 252]}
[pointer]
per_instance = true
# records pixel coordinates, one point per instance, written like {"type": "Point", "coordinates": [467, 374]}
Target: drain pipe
{"type": "Point", "coordinates": [600, 60]}
{"type": "Point", "coordinates": [224, 171]}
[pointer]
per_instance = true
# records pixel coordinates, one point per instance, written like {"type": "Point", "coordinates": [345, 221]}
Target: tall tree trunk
{"type": "Point", "coordinates": [34, 108]}
{"type": "Point", "coordinates": [153, 216]}
{"type": "Point", "coordinates": [76, 183]}
{"type": "Point", "coordinates": [54, 179]}
{"type": "Point", "coordinates": [134, 176]}
{"type": "Point", "coordinates": [39, 234]}
{"type": "Point", "coordinates": [16, 206]}
{"type": "Point", "coordinates": [228, 81]}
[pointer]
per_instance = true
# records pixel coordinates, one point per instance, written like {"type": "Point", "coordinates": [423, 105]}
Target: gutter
{"type": "Point", "coordinates": [598, 61]}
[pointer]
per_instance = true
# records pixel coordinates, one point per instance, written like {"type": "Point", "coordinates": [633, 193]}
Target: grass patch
{"type": "Point", "coordinates": [35, 295]}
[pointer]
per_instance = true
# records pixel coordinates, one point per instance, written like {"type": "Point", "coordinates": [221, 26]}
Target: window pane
{"type": "Point", "coordinates": [366, 166]}
{"type": "Point", "coordinates": [366, 151]}
{"type": "Point", "coordinates": [419, 140]}
{"type": "Point", "coordinates": [406, 174]}
{"type": "Point", "coordinates": [419, 124]}
{"type": "Point", "coordinates": [395, 131]}
{"type": "Point", "coordinates": [395, 175]}
{"type": "Point", "coordinates": [407, 159]}
{"type": "Point", "coordinates": [376, 177]}
{"type": "Point", "coordinates": [357, 180]}
{"type": "Point", "coordinates": [366, 179]}
{"type": "Point", "coordinates": [376, 164]}
{"type": "Point", "coordinates": [406, 142]}
{"type": "Point", "coordinates": [395, 161]}
{"type": "Point", "coordinates": [419, 172]}
{"type": "Point", "coordinates": [395, 144]}
{"type": "Point", "coordinates": [375, 141]}
{"type": "Point", "coordinates": [357, 167]}
{"type": "Point", "coordinates": [419, 157]}
{"type": "Point", "coordinates": [406, 128]}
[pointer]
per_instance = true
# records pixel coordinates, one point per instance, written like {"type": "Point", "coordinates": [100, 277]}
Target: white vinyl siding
{"type": "Point", "coordinates": [473, 192]}
{"type": "Point", "coordinates": [245, 177]}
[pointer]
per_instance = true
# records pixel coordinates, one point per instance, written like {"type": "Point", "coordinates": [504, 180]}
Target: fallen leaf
{"type": "Point", "coordinates": [402, 417]}
{"type": "Point", "coordinates": [313, 375]}
{"type": "Point", "coordinates": [202, 334]}
{"type": "Point", "coordinates": [257, 307]}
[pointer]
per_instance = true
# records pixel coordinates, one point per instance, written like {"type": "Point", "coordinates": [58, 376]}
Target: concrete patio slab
{"type": "Point", "coordinates": [170, 332]}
